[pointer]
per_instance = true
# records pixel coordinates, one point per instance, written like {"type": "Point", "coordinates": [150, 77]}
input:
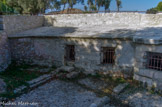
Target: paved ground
{"type": "Point", "coordinates": [144, 99]}
{"type": "Point", "coordinates": [59, 94]}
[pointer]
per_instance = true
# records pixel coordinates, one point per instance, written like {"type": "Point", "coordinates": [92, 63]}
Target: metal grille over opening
{"type": "Point", "coordinates": [108, 55]}
{"type": "Point", "coordinates": [70, 53]}
{"type": "Point", "coordinates": [154, 61]}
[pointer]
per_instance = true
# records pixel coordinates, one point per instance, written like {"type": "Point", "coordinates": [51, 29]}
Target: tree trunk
{"type": "Point", "coordinates": [118, 9]}
{"type": "Point", "coordinates": [98, 8]}
{"type": "Point", "coordinates": [64, 7]}
{"type": "Point", "coordinates": [95, 3]}
{"type": "Point", "coordinates": [89, 6]}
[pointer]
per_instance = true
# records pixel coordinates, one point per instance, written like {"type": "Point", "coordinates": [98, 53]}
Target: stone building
{"type": "Point", "coordinates": [128, 44]}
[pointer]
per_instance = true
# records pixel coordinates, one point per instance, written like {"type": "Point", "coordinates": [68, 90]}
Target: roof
{"type": "Point", "coordinates": [148, 35]}
{"type": "Point", "coordinates": [82, 32]}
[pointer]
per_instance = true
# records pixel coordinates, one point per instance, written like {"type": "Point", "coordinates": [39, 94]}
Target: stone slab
{"type": "Point", "coordinates": [158, 76]}
{"type": "Point", "coordinates": [146, 73]}
{"type": "Point", "coordinates": [66, 68]}
{"type": "Point", "coordinates": [144, 79]}
{"type": "Point", "coordinates": [72, 75]}
{"type": "Point", "coordinates": [118, 89]}
{"type": "Point", "coordinates": [100, 102]}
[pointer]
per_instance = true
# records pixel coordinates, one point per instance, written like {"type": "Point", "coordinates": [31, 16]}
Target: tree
{"type": "Point", "coordinates": [159, 6]}
{"type": "Point", "coordinates": [152, 11]}
{"type": "Point", "coordinates": [85, 8]}
{"type": "Point", "coordinates": [90, 4]}
{"type": "Point", "coordinates": [33, 6]}
{"type": "Point", "coordinates": [71, 3]}
{"type": "Point", "coordinates": [99, 3]}
{"type": "Point", "coordinates": [118, 4]}
{"type": "Point", "coordinates": [107, 4]}
{"type": "Point", "coordinates": [4, 8]}
{"type": "Point", "coordinates": [57, 5]}
{"type": "Point", "coordinates": [64, 2]}
{"type": "Point", "coordinates": [93, 8]}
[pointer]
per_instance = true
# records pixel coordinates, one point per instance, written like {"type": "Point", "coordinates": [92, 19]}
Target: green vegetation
{"type": "Point", "coordinates": [118, 4]}
{"type": "Point", "coordinates": [18, 75]}
{"type": "Point", "coordinates": [156, 9]}
{"type": "Point", "coordinates": [152, 11]}
{"type": "Point", "coordinates": [159, 6]}
{"type": "Point", "coordinates": [35, 7]}
{"type": "Point", "coordinates": [94, 5]}
{"type": "Point", "coordinates": [4, 8]}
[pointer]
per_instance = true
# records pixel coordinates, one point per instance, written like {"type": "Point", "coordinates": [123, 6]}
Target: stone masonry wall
{"type": "Point", "coordinates": [5, 58]}
{"type": "Point", "coordinates": [50, 51]}
{"type": "Point", "coordinates": [120, 19]}
{"type": "Point", "coordinates": [13, 24]}
{"type": "Point", "coordinates": [149, 76]}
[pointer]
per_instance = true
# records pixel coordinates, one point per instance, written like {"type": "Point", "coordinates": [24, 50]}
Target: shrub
{"type": "Point", "coordinates": [152, 11]}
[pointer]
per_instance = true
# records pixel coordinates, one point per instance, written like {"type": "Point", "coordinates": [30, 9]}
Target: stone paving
{"type": "Point", "coordinates": [59, 94]}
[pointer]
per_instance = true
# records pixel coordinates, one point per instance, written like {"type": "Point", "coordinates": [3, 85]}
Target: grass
{"type": "Point", "coordinates": [16, 76]}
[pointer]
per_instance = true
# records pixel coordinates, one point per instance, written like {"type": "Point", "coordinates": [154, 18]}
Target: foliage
{"type": "Point", "coordinates": [85, 8]}
{"type": "Point", "coordinates": [159, 6]}
{"type": "Point", "coordinates": [63, 2]}
{"type": "Point", "coordinates": [4, 8]}
{"type": "Point", "coordinates": [118, 4]}
{"type": "Point", "coordinates": [107, 4]}
{"type": "Point", "coordinates": [93, 8]}
{"type": "Point", "coordinates": [35, 7]}
{"type": "Point", "coordinates": [152, 11]}
{"type": "Point", "coordinates": [90, 4]}
{"type": "Point", "coordinates": [96, 4]}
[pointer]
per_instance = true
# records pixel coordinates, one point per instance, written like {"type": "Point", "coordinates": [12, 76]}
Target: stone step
{"type": "Point", "coordinates": [118, 89]}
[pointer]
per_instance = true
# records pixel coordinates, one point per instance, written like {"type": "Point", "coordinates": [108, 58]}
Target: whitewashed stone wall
{"type": "Point", "coordinates": [13, 24]}
{"type": "Point", "coordinates": [120, 19]}
{"type": "Point", "coordinates": [88, 53]}
{"type": "Point", "coordinates": [149, 76]}
{"type": "Point", "coordinates": [5, 58]}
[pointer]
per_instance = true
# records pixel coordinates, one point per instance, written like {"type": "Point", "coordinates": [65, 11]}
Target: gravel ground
{"type": "Point", "coordinates": [142, 99]}
{"type": "Point", "coordinates": [58, 94]}
{"type": "Point", "coordinates": [145, 99]}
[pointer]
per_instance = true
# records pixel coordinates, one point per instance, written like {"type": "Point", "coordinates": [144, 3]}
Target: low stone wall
{"type": "Point", "coordinates": [50, 51]}
{"type": "Point", "coordinates": [110, 19]}
{"type": "Point", "coordinates": [13, 24]}
{"type": "Point", "coordinates": [5, 58]}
